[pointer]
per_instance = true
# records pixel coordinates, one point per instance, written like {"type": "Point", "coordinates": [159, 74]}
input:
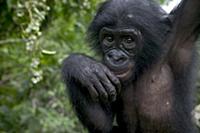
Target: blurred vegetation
{"type": "Point", "coordinates": [35, 36]}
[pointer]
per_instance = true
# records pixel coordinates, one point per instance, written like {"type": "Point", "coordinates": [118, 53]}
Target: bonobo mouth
{"type": "Point", "coordinates": [123, 74]}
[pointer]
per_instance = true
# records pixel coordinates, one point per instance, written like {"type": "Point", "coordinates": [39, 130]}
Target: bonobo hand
{"type": "Point", "coordinates": [101, 83]}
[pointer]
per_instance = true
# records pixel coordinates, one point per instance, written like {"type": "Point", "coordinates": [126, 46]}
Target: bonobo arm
{"type": "Point", "coordinates": [186, 27]}
{"type": "Point", "coordinates": [98, 80]}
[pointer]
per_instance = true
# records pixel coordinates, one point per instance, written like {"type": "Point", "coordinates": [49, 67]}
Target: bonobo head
{"type": "Point", "coordinates": [120, 47]}
{"type": "Point", "coordinates": [129, 35]}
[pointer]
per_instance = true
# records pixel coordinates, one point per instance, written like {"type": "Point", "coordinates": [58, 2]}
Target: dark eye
{"type": "Point", "coordinates": [128, 39]}
{"type": "Point", "coordinates": [129, 42]}
{"type": "Point", "coordinates": [109, 38]}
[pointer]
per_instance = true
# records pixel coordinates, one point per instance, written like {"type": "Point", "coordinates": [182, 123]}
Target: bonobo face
{"type": "Point", "coordinates": [120, 48]}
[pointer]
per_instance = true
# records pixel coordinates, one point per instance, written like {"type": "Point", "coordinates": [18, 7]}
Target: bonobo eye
{"type": "Point", "coordinates": [128, 39]}
{"type": "Point", "coordinates": [109, 38]}
{"type": "Point", "coordinates": [129, 42]}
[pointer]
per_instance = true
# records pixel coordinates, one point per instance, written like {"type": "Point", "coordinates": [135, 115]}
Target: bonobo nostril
{"type": "Point", "coordinates": [116, 56]}
{"type": "Point", "coordinates": [110, 55]}
{"type": "Point", "coordinates": [119, 58]}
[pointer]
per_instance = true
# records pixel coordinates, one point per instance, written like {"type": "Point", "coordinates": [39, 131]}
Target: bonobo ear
{"type": "Point", "coordinates": [168, 19]}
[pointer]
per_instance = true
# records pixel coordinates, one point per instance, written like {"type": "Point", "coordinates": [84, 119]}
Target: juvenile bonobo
{"type": "Point", "coordinates": [146, 76]}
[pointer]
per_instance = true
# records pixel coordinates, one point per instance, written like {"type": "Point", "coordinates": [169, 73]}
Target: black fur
{"type": "Point", "coordinates": [158, 97]}
{"type": "Point", "coordinates": [147, 16]}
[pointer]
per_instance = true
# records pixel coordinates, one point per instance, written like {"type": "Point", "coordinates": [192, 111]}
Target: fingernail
{"type": "Point", "coordinates": [113, 97]}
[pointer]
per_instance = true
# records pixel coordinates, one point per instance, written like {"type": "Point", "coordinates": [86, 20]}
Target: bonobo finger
{"type": "Point", "coordinates": [100, 89]}
{"type": "Point", "coordinates": [111, 91]}
{"type": "Point", "coordinates": [108, 86]}
{"type": "Point", "coordinates": [93, 93]}
{"type": "Point", "coordinates": [114, 80]}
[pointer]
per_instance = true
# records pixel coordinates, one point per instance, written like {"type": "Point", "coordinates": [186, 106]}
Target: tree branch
{"type": "Point", "coordinates": [10, 41]}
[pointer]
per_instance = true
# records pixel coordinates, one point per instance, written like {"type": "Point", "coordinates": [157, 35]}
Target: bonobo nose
{"type": "Point", "coordinates": [116, 57]}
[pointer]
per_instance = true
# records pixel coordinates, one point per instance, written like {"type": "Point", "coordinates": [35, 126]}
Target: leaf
{"type": "Point", "coordinates": [47, 52]}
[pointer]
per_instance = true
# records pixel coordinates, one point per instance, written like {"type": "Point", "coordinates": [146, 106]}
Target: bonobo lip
{"type": "Point", "coordinates": [120, 72]}
{"type": "Point", "coordinates": [124, 73]}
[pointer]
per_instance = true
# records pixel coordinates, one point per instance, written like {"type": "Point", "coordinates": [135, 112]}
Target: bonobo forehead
{"type": "Point", "coordinates": [125, 7]}
{"type": "Point", "coordinates": [143, 14]}
{"type": "Point", "coordinates": [119, 30]}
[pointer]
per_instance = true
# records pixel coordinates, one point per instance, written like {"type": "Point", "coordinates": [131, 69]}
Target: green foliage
{"type": "Point", "coordinates": [35, 36]}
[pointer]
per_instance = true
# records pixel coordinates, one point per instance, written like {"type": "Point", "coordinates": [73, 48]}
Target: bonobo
{"type": "Point", "coordinates": [147, 74]}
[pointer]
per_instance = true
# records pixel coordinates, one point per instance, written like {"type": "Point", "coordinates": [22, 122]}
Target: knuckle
{"type": "Point", "coordinates": [106, 70]}
{"type": "Point", "coordinates": [86, 69]}
{"type": "Point", "coordinates": [93, 91]}
{"type": "Point", "coordinates": [102, 76]}
{"type": "Point", "coordinates": [105, 95]}
{"type": "Point", "coordinates": [112, 91]}
{"type": "Point", "coordinates": [99, 73]}
{"type": "Point", "coordinates": [93, 79]}
{"type": "Point", "coordinates": [116, 80]}
{"type": "Point", "coordinates": [95, 96]}
{"type": "Point", "coordinates": [103, 67]}
{"type": "Point", "coordinates": [88, 85]}
{"type": "Point", "coordinates": [102, 92]}
{"type": "Point", "coordinates": [109, 86]}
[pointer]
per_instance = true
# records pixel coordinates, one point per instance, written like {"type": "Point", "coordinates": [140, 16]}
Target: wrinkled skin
{"type": "Point", "coordinates": [100, 82]}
